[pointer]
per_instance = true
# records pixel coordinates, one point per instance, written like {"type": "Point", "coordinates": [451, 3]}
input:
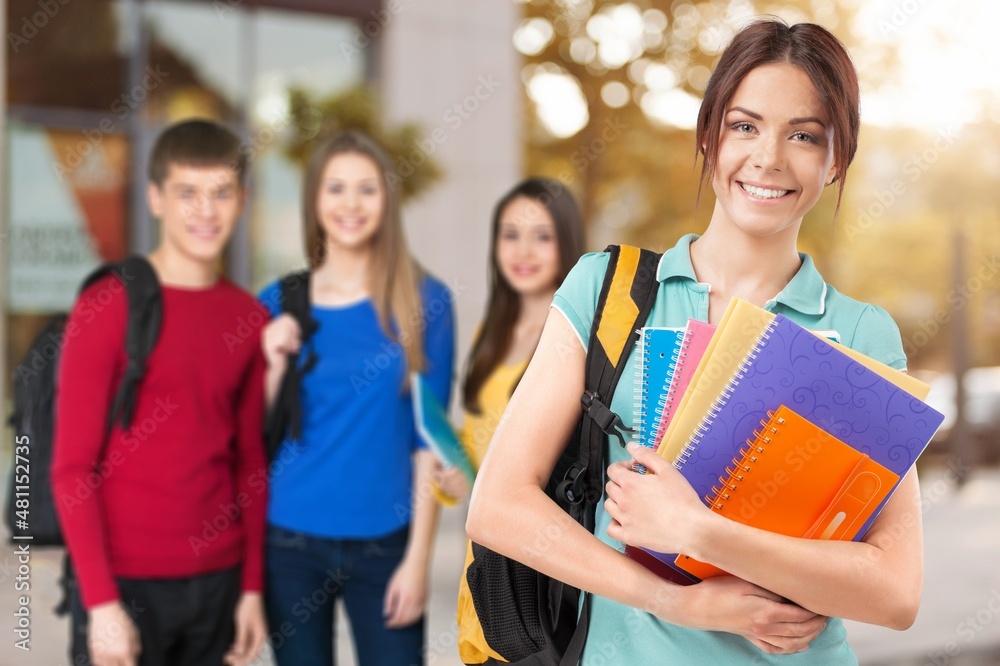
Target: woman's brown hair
{"type": "Point", "coordinates": [504, 305]}
{"type": "Point", "coordinates": [394, 276]}
{"type": "Point", "coordinates": [809, 47]}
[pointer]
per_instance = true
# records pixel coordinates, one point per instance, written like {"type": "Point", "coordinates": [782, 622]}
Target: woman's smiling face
{"type": "Point", "coordinates": [775, 152]}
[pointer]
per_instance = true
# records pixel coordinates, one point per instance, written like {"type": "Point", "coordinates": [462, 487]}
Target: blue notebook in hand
{"type": "Point", "coordinates": [435, 429]}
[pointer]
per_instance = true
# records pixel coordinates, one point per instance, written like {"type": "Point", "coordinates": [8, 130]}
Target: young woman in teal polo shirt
{"type": "Point", "coordinates": [778, 124]}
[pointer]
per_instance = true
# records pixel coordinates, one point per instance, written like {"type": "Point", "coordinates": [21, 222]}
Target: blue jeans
{"type": "Point", "coordinates": [305, 576]}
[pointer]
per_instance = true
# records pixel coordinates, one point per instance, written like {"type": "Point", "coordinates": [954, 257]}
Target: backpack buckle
{"type": "Point", "coordinates": [606, 420]}
{"type": "Point", "coordinates": [571, 489]}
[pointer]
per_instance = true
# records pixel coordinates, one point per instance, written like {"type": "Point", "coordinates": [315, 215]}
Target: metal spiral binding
{"type": "Point", "coordinates": [661, 404]}
{"type": "Point", "coordinates": [681, 353]}
{"type": "Point", "coordinates": [756, 447]}
{"type": "Point", "coordinates": [641, 382]}
{"type": "Point", "coordinates": [715, 408]}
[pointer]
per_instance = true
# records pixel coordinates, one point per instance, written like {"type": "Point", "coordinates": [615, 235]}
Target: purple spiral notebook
{"type": "Point", "coordinates": [793, 367]}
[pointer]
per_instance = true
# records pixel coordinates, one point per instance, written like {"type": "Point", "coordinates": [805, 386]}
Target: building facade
{"type": "Point", "coordinates": [90, 85]}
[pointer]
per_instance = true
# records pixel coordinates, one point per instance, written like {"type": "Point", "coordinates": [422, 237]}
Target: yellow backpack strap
{"type": "Point", "coordinates": [626, 299]}
{"type": "Point", "coordinates": [617, 310]}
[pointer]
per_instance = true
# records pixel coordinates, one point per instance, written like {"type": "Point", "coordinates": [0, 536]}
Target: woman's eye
{"type": "Point", "coordinates": [744, 128]}
{"type": "Point", "coordinates": [804, 136]}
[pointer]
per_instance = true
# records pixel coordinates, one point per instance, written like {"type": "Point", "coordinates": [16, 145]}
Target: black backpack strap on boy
{"type": "Point", "coordinates": [35, 379]}
{"type": "Point", "coordinates": [528, 618]}
{"type": "Point", "coordinates": [285, 416]}
{"type": "Point", "coordinates": [145, 316]}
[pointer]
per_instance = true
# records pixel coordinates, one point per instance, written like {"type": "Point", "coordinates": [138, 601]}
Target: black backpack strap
{"type": "Point", "coordinates": [626, 299]}
{"type": "Point", "coordinates": [285, 415]}
{"type": "Point", "coordinates": [295, 296]}
{"type": "Point", "coordinates": [145, 315]}
{"type": "Point", "coordinates": [295, 301]}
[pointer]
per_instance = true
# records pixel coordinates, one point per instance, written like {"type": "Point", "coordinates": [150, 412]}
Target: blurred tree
{"type": "Point", "coordinates": [612, 92]}
{"type": "Point", "coordinates": [315, 118]}
{"type": "Point", "coordinates": [896, 229]}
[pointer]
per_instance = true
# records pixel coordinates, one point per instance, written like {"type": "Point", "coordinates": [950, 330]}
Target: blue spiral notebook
{"type": "Point", "coordinates": [658, 350]}
{"type": "Point", "coordinates": [790, 366]}
{"type": "Point", "coordinates": [435, 429]}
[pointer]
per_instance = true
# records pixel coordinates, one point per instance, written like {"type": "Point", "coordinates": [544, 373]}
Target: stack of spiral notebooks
{"type": "Point", "coordinates": [777, 427]}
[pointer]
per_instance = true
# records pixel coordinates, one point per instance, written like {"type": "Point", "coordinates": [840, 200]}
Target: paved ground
{"type": "Point", "coordinates": [957, 626]}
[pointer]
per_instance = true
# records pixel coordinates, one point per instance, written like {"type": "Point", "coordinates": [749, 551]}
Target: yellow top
{"type": "Point", "coordinates": [477, 429]}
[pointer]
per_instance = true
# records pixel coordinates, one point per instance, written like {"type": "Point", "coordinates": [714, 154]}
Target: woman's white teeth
{"type": "Point", "coordinates": [762, 193]}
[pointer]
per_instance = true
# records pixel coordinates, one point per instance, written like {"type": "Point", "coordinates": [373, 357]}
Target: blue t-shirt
{"type": "Point", "coordinates": [350, 475]}
{"type": "Point", "coordinates": [621, 634]}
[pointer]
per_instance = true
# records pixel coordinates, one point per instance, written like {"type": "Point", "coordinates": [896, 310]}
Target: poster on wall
{"type": "Point", "coordinates": [66, 213]}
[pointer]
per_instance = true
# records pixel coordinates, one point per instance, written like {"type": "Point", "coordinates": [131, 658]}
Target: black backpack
{"type": "Point", "coordinates": [31, 508]}
{"type": "Point", "coordinates": [284, 418]}
{"type": "Point", "coordinates": [527, 617]}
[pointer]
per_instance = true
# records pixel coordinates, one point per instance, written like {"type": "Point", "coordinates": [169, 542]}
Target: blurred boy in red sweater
{"type": "Point", "coordinates": [164, 521]}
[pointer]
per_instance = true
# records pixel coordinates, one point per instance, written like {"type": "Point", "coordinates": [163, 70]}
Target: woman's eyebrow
{"type": "Point", "coordinates": [755, 116]}
{"type": "Point", "coordinates": [808, 119]}
{"type": "Point", "coordinates": [793, 121]}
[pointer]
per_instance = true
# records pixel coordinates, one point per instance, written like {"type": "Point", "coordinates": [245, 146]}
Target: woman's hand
{"type": "Point", "coordinates": [281, 337]}
{"type": "Point", "coordinates": [406, 594]}
{"type": "Point", "coordinates": [452, 482]}
{"type": "Point", "coordinates": [658, 510]}
{"type": "Point", "coordinates": [731, 604]}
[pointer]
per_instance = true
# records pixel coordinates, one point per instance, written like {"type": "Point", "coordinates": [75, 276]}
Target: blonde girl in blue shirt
{"type": "Point", "coordinates": [348, 516]}
{"type": "Point", "coordinates": [778, 124]}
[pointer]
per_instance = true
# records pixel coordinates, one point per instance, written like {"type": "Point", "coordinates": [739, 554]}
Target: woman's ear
{"type": "Point", "coordinates": [831, 175]}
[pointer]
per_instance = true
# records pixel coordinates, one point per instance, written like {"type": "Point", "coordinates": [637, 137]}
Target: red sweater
{"type": "Point", "coordinates": [183, 492]}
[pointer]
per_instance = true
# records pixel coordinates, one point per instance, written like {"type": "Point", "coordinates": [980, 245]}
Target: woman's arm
{"type": "Point", "coordinates": [406, 594]}
{"type": "Point", "coordinates": [510, 513]}
{"type": "Point", "coordinates": [877, 580]}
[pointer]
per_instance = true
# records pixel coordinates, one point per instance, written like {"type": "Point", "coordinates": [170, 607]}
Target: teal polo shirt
{"type": "Point", "coordinates": [623, 635]}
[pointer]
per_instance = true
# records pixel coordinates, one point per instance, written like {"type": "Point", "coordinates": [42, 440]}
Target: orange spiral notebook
{"type": "Point", "coordinates": [798, 480]}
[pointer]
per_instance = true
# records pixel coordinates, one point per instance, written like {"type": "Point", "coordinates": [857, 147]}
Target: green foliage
{"type": "Point", "coordinates": [315, 118]}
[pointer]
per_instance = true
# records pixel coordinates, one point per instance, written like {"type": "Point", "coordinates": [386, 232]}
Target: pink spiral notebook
{"type": "Point", "coordinates": [693, 346]}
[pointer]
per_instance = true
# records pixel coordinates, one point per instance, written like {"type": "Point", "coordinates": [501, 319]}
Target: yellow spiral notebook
{"type": "Point", "coordinates": [798, 480]}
